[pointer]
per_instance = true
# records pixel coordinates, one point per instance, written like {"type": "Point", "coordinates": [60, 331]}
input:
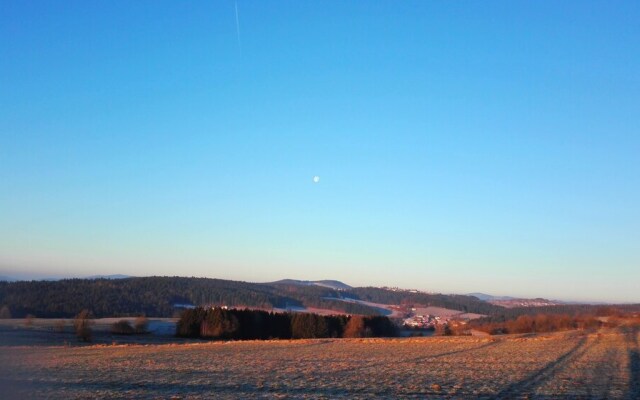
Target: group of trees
{"type": "Point", "coordinates": [124, 327]}
{"type": "Point", "coordinates": [83, 322]}
{"type": "Point", "coordinates": [552, 318]}
{"type": "Point", "coordinates": [536, 323]}
{"type": "Point", "coordinates": [564, 309]}
{"type": "Point", "coordinates": [219, 323]}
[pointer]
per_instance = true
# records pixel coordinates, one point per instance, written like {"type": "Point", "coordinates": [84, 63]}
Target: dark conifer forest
{"type": "Point", "coordinates": [219, 323]}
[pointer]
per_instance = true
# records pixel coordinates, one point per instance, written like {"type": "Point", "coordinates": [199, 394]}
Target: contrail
{"type": "Point", "coordinates": [238, 27]}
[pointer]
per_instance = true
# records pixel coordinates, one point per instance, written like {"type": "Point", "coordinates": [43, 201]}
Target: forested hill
{"type": "Point", "coordinates": [157, 297]}
{"type": "Point", "coordinates": [464, 303]}
{"type": "Point", "coordinates": [152, 296]}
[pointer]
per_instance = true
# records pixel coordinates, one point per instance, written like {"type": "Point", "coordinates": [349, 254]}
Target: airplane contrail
{"type": "Point", "coordinates": [238, 27]}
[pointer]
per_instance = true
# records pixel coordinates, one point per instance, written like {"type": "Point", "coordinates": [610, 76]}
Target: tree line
{"type": "Point", "coordinates": [551, 318]}
{"type": "Point", "coordinates": [245, 324]}
{"type": "Point", "coordinates": [552, 322]}
{"type": "Point", "coordinates": [536, 324]}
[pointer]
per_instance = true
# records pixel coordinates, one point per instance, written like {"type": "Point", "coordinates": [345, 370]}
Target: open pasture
{"type": "Point", "coordinates": [604, 364]}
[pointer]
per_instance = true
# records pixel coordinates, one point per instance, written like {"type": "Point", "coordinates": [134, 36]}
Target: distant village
{"type": "Point", "coordinates": [511, 303]}
{"type": "Point", "coordinates": [435, 318]}
{"type": "Point", "coordinates": [397, 289]}
{"type": "Point", "coordinates": [423, 321]}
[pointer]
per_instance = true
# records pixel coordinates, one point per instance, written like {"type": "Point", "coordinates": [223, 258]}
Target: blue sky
{"type": "Point", "coordinates": [461, 146]}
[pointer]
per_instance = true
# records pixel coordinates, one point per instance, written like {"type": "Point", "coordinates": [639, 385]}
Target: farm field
{"type": "Point", "coordinates": [59, 332]}
{"type": "Point", "coordinates": [576, 364]}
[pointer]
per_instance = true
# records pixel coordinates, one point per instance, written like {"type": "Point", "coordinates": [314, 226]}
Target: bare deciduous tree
{"type": "Point", "coordinates": [355, 328]}
{"type": "Point", "coordinates": [5, 313]}
{"type": "Point", "coordinates": [141, 324]}
{"type": "Point", "coordinates": [82, 324]}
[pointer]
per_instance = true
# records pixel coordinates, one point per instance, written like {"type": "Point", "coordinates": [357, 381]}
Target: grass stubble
{"type": "Point", "coordinates": [576, 364]}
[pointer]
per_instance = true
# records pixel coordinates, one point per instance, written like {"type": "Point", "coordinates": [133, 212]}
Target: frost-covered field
{"type": "Point", "coordinates": [603, 364]}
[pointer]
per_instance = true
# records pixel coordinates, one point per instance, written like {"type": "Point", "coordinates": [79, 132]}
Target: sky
{"type": "Point", "coordinates": [461, 146]}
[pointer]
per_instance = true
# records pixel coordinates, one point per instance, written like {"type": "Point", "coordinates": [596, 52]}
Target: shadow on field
{"type": "Point", "coordinates": [10, 389]}
{"type": "Point", "coordinates": [528, 385]}
{"type": "Point", "coordinates": [125, 389]}
{"type": "Point", "coordinates": [634, 363]}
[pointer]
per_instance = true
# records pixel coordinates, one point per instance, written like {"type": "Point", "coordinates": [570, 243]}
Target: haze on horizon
{"type": "Point", "coordinates": [462, 147]}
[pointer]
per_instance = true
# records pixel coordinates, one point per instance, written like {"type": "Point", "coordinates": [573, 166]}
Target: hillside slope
{"type": "Point", "coordinates": [158, 297]}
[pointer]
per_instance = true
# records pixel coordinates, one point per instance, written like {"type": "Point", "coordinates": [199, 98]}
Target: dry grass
{"type": "Point", "coordinates": [570, 365]}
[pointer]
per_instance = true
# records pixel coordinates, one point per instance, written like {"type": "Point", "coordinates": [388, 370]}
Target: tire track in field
{"type": "Point", "coordinates": [528, 385]}
{"type": "Point", "coordinates": [601, 377]}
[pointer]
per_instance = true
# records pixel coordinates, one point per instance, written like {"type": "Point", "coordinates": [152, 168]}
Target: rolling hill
{"type": "Point", "coordinates": [162, 297]}
{"type": "Point", "coordinates": [159, 296]}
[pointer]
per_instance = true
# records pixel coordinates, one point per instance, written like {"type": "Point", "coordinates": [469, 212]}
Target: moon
{"type": "Point", "coordinates": [316, 179]}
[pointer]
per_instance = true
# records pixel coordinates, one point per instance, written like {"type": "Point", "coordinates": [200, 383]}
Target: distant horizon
{"type": "Point", "coordinates": [36, 277]}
